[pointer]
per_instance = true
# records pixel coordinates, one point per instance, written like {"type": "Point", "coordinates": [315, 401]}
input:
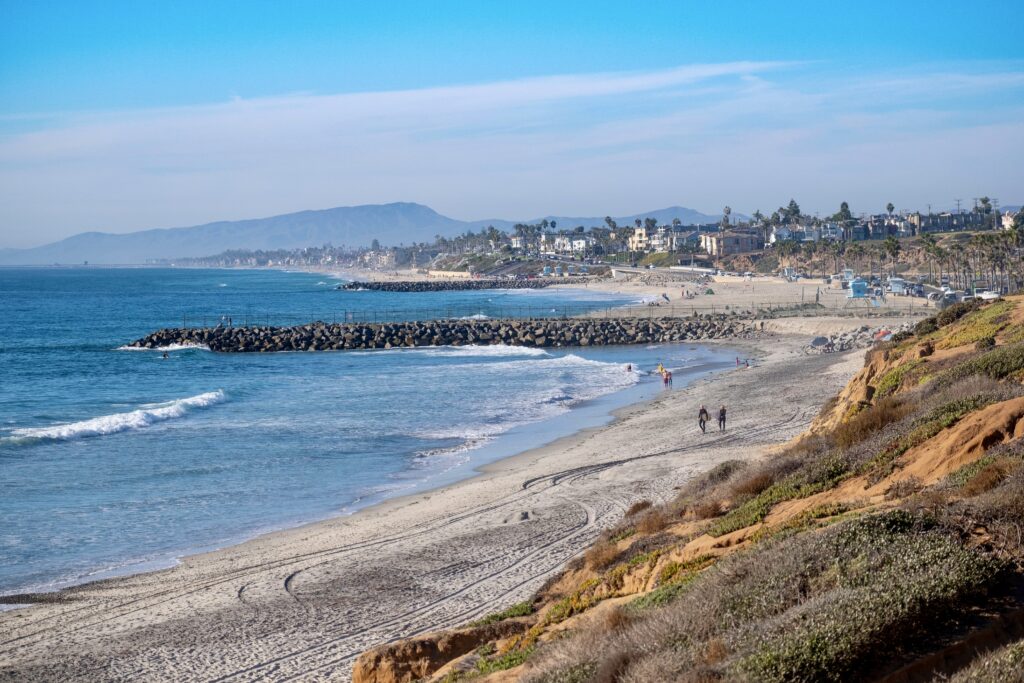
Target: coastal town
{"type": "Point", "coordinates": [976, 248]}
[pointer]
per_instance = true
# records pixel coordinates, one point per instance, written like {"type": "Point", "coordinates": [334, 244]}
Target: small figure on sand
{"type": "Point", "coordinates": [702, 419]}
{"type": "Point", "coordinates": [666, 378]}
{"type": "Point", "coordinates": [721, 419]}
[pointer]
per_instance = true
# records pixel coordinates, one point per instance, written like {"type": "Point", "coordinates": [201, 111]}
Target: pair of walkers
{"type": "Point", "coordinates": [703, 416]}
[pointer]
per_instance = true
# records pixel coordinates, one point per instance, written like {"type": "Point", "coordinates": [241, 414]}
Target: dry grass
{"type": "Point", "coordinates": [990, 476]}
{"type": "Point", "coordinates": [653, 521]}
{"type": "Point", "coordinates": [904, 488]}
{"type": "Point", "coordinates": [822, 605]}
{"type": "Point", "coordinates": [715, 651]}
{"type": "Point", "coordinates": [616, 619]}
{"type": "Point", "coordinates": [707, 509]}
{"type": "Point", "coordinates": [638, 507]}
{"type": "Point", "coordinates": [867, 422]}
{"type": "Point", "coordinates": [601, 555]}
{"type": "Point", "coordinates": [752, 485]}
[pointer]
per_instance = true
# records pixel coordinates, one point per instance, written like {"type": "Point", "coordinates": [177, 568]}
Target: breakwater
{"type": "Point", "coordinates": [320, 336]}
{"type": "Point", "coordinates": [450, 285]}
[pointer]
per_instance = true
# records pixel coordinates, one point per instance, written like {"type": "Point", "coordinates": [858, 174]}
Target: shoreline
{"type": "Point", "coordinates": [412, 563]}
{"type": "Point", "coordinates": [605, 410]}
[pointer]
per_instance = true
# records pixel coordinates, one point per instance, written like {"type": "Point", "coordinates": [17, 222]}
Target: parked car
{"type": "Point", "coordinates": [987, 295]}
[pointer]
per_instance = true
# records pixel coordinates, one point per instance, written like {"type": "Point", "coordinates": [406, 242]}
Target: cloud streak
{"type": "Point", "coordinates": [750, 134]}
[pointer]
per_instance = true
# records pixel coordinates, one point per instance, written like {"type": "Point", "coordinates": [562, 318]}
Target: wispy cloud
{"type": "Point", "coordinates": [745, 133]}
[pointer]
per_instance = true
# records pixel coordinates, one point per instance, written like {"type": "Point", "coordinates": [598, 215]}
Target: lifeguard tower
{"type": "Point", "coordinates": [859, 292]}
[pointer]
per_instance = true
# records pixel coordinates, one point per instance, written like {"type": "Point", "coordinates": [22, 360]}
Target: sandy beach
{"type": "Point", "coordinates": [302, 604]}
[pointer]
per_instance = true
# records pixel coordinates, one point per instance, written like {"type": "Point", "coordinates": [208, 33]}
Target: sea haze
{"type": "Point", "coordinates": [114, 460]}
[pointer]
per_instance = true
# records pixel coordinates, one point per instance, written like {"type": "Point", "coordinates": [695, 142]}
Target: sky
{"type": "Point", "coordinates": [119, 116]}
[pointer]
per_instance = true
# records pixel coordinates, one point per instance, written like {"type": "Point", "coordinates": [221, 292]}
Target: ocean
{"type": "Point", "coordinates": [115, 461]}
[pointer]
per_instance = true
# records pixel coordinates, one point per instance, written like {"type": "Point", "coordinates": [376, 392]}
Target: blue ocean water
{"type": "Point", "coordinates": [114, 460]}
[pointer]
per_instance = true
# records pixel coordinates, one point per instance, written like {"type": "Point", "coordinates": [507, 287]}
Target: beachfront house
{"type": "Point", "coordinates": [639, 240]}
{"type": "Point", "coordinates": [728, 243]}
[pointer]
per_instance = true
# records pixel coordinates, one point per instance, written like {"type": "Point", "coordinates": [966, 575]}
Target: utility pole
{"type": "Point", "coordinates": [958, 206]}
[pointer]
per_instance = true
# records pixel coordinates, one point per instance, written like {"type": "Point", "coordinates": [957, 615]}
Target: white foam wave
{"type": "Point", "coordinates": [473, 350]}
{"type": "Point", "coordinates": [578, 380]}
{"type": "Point", "coordinates": [169, 347]}
{"type": "Point", "coordinates": [119, 422]}
{"type": "Point", "coordinates": [476, 316]}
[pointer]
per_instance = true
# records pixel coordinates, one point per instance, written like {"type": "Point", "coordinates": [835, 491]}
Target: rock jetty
{"type": "Point", "coordinates": [450, 285]}
{"type": "Point", "coordinates": [320, 336]}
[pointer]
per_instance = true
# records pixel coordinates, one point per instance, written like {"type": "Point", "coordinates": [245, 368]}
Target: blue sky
{"type": "Point", "coordinates": [126, 115]}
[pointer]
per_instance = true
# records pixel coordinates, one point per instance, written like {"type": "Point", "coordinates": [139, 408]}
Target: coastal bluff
{"type": "Point", "coordinates": [449, 285]}
{"type": "Point", "coordinates": [321, 336]}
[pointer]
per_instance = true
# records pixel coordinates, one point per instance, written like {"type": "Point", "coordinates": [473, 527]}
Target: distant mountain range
{"type": "Point", "coordinates": [391, 224]}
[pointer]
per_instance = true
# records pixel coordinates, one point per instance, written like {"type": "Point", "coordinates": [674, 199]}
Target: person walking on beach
{"type": "Point", "coordinates": [721, 419]}
{"type": "Point", "coordinates": [702, 419]}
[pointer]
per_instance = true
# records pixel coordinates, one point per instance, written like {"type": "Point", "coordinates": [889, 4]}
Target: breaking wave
{"type": "Point", "coordinates": [117, 422]}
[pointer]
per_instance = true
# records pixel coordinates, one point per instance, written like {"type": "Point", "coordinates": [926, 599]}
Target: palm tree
{"type": "Point", "coordinates": [930, 245]}
{"type": "Point", "coordinates": [892, 248]}
{"type": "Point", "coordinates": [890, 208]}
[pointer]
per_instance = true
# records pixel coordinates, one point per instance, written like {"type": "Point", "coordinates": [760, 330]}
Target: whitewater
{"type": "Point", "coordinates": [115, 461]}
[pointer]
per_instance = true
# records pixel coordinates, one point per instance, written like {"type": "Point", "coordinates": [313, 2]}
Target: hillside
{"type": "Point", "coordinates": [353, 226]}
{"type": "Point", "coordinates": [884, 543]}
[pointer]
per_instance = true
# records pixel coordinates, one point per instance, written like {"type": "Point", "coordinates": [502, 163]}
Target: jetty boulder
{"type": "Point", "coordinates": [564, 332]}
{"type": "Point", "coordinates": [450, 285]}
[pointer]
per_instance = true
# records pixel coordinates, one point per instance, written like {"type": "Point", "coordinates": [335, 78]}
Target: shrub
{"type": "Point", "coordinates": [520, 609]}
{"type": "Point", "coordinates": [998, 363]}
{"type": "Point", "coordinates": [654, 521]}
{"type": "Point", "coordinates": [903, 488]}
{"type": "Point", "coordinates": [926, 326]}
{"type": "Point", "coordinates": [893, 380]}
{"type": "Point", "coordinates": [509, 660]}
{"type": "Point", "coordinates": [637, 507]}
{"type": "Point", "coordinates": [989, 476]}
{"type": "Point", "coordinates": [819, 606]}
{"type": "Point", "coordinates": [901, 336]}
{"type": "Point", "coordinates": [753, 484]}
{"type": "Point", "coordinates": [601, 555]}
{"type": "Point", "coordinates": [951, 314]}
{"type": "Point", "coordinates": [985, 343]}
{"type": "Point", "coordinates": [867, 422]}
{"type": "Point", "coordinates": [707, 509]}
{"type": "Point", "coordinates": [900, 580]}
{"type": "Point", "coordinates": [923, 428]}
{"type": "Point", "coordinates": [982, 323]}
{"type": "Point", "coordinates": [992, 667]}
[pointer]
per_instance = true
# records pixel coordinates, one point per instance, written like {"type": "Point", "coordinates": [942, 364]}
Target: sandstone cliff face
{"type": "Point", "coordinates": [411, 660]}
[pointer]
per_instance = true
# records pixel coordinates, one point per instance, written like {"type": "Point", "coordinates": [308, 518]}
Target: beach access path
{"type": "Point", "coordinates": [301, 604]}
